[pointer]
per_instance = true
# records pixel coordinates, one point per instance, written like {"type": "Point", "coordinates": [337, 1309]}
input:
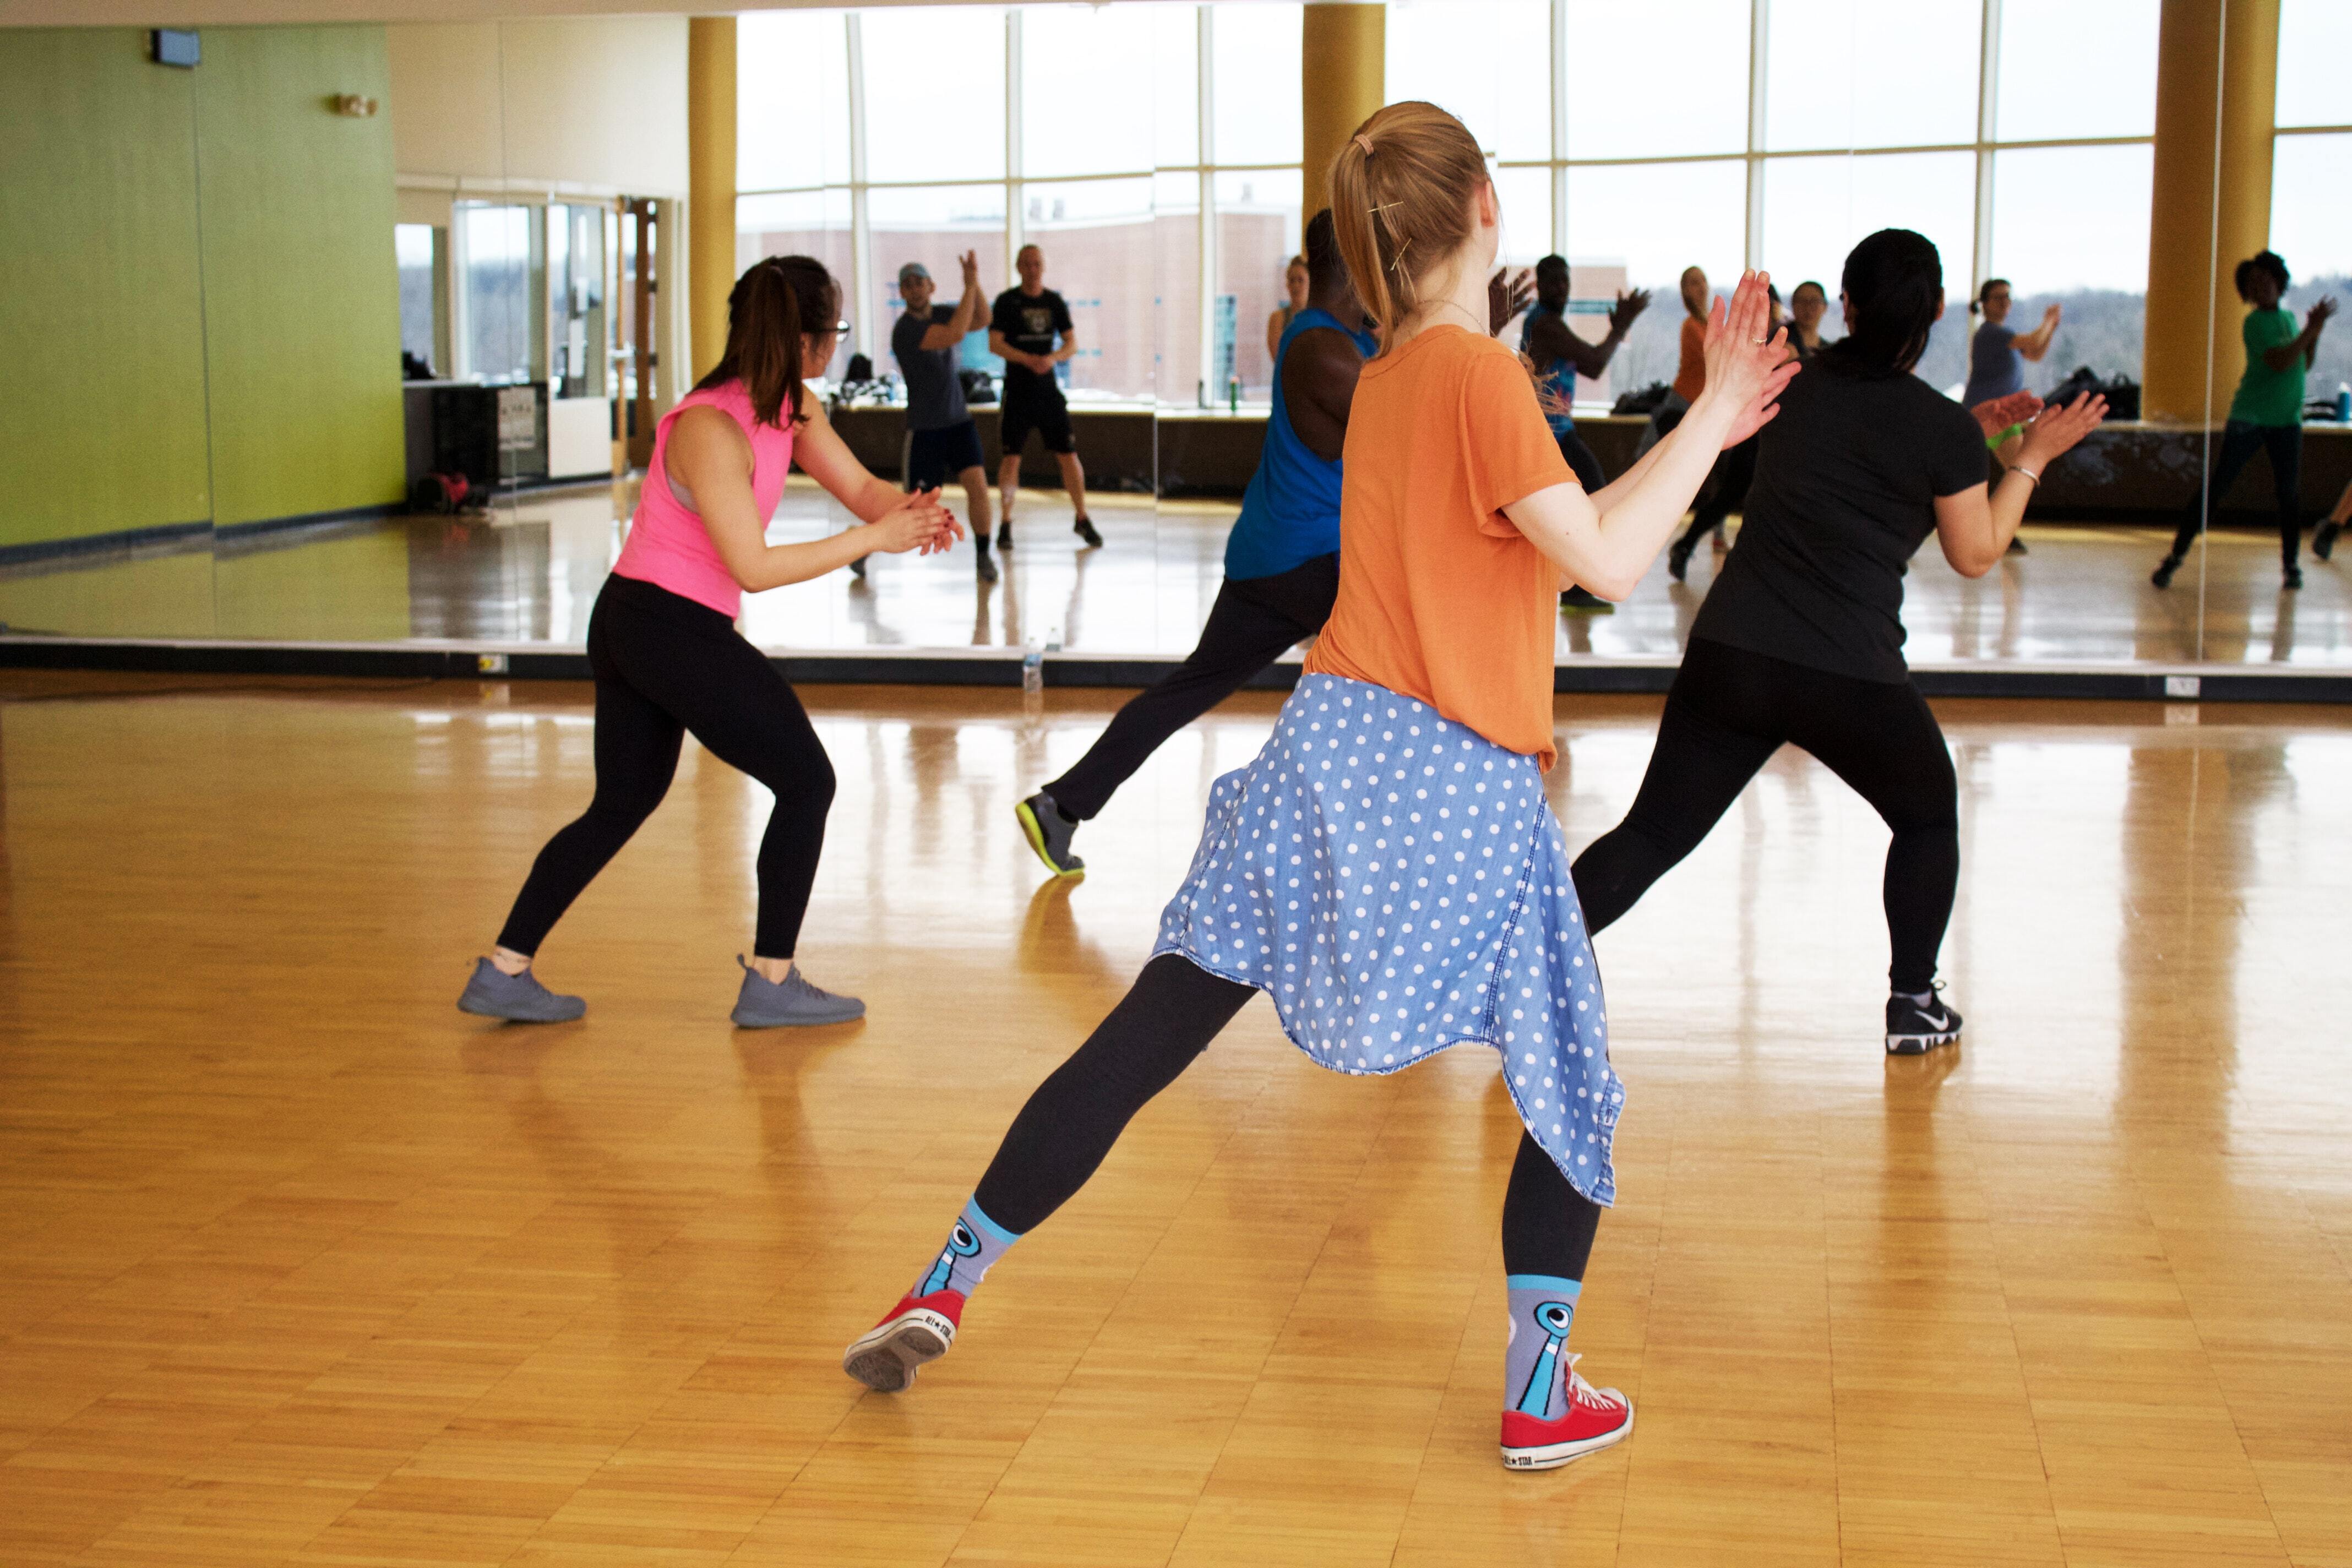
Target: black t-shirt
{"type": "Point", "coordinates": [934, 390]}
{"type": "Point", "coordinates": [1846, 481]}
{"type": "Point", "coordinates": [1029, 322]}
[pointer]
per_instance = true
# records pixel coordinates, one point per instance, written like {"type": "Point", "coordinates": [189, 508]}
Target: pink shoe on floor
{"type": "Point", "coordinates": [918, 1329]}
{"type": "Point", "coordinates": [1595, 1418]}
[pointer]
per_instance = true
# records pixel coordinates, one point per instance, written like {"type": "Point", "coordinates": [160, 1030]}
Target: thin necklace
{"type": "Point", "coordinates": [1474, 321]}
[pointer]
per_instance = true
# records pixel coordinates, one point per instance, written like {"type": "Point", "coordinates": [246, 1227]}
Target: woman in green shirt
{"type": "Point", "coordinates": [2265, 416]}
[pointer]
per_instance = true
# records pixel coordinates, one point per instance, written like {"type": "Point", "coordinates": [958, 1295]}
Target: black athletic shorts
{"type": "Point", "coordinates": [935, 457]}
{"type": "Point", "coordinates": [1049, 417]}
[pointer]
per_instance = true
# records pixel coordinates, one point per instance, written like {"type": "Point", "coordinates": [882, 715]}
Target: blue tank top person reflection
{"type": "Point", "coordinates": [1555, 382]}
{"type": "Point", "coordinates": [1290, 514]}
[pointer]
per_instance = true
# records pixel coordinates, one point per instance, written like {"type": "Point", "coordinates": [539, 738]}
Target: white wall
{"type": "Point", "coordinates": [590, 106]}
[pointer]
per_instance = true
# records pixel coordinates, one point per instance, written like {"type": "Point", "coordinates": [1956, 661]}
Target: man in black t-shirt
{"type": "Point", "coordinates": [1023, 331]}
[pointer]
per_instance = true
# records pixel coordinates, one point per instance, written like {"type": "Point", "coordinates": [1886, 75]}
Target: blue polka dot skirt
{"type": "Point", "coordinates": [1398, 884]}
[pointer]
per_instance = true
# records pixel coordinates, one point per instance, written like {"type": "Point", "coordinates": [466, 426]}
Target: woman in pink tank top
{"type": "Point", "coordinates": [667, 659]}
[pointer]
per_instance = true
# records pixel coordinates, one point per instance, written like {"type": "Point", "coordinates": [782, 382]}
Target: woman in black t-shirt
{"type": "Point", "coordinates": [1800, 639]}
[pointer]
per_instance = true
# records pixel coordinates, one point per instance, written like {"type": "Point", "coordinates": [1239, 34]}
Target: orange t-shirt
{"type": "Point", "coordinates": [1440, 596]}
{"type": "Point", "coordinates": [1690, 376]}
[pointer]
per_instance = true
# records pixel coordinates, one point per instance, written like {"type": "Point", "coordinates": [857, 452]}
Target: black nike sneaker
{"type": "Point", "coordinates": [1915, 1028]}
{"type": "Point", "coordinates": [1049, 833]}
{"type": "Point", "coordinates": [1005, 535]}
{"type": "Point", "coordinates": [2162, 575]}
{"type": "Point", "coordinates": [2322, 539]}
{"type": "Point", "coordinates": [1085, 529]}
{"type": "Point", "coordinates": [983, 567]}
{"type": "Point", "coordinates": [1582, 601]}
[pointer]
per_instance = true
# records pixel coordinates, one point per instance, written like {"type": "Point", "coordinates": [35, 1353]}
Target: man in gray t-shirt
{"type": "Point", "coordinates": [941, 438]}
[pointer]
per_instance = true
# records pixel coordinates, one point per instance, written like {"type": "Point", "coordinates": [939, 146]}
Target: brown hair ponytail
{"type": "Point", "coordinates": [1400, 194]}
{"type": "Point", "coordinates": [769, 307]}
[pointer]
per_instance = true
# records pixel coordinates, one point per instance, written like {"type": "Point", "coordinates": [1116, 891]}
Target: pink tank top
{"type": "Point", "coordinates": [667, 544]}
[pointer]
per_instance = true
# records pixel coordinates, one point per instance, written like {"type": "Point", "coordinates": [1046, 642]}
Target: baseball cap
{"type": "Point", "coordinates": [914, 269]}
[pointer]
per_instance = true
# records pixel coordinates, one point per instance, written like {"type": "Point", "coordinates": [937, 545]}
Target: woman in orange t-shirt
{"type": "Point", "coordinates": [1388, 868]}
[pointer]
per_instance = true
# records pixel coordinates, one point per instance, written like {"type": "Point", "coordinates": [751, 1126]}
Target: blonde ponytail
{"type": "Point", "coordinates": [1402, 189]}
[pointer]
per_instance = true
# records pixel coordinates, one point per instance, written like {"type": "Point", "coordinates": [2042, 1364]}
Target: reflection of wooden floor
{"type": "Point", "coordinates": [530, 576]}
{"type": "Point", "coordinates": [302, 1266]}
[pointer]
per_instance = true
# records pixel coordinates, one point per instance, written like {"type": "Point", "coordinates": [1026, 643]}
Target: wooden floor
{"type": "Point", "coordinates": [299, 1265]}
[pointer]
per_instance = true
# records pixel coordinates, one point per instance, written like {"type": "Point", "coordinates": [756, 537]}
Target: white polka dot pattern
{"type": "Point", "coordinates": [1397, 883]}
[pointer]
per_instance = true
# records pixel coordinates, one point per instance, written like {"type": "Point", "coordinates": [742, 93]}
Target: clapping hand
{"type": "Point", "coordinates": [1505, 299]}
{"type": "Point", "coordinates": [2055, 430]}
{"type": "Point", "coordinates": [969, 262]}
{"type": "Point", "coordinates": [1748, 363]}
{"type": "Point", "coordinates": [1998, 413]}
{"type": "Point", "coordinates": [920, 524]}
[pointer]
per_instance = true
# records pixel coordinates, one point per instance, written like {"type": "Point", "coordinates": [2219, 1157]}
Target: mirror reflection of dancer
{"type": "Point", "coordinates": [1808, 303]}
{"type": "Point", "coordinates": [1411, 753]}
{"type": "Point", "coordinates": [1690, 366]}
{"type": "Point", "coordinates": [2266, 415]}
{"type": "Point", "coordinates": [668, 661]}
{"type": "Point", "coordinates": [1726, 489]}
{"type": "Point", "coordinates": [1295, 283]}
{"type": "Point", "coordinates": [1800, 639]}
{"type": "Point", "coordinates": [1023, 331]}
{"type": "Point", "coordinates": [1559, 355]}
{"type": "Point", "coordinates": [943, 440]}
{"type": "Point", "coordinates": [1997, 355]}
{"type": "Point", "coordinates": [1282, 559]}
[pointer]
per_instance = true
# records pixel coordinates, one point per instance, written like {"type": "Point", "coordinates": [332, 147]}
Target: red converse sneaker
{"type": "Point", "coordinates": [1595, 1417]}
{"type": "Point", "coordinates": [918, 1329]}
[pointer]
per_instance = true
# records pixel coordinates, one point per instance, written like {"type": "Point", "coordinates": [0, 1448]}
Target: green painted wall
{"type": "Point", "coordinates": [302, 288]}
{"type": "Point", "coordinates": [101, 331]}
{"type": "Point", "coordinates": [202, 319]}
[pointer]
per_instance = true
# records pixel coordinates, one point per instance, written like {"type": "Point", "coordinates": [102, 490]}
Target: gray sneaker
{"type": "Point", "coordinates": [516, 998]}
{"type": "Point", "coordinates": [769, 1004]}
{"type": "Point", "coordinates": [1049, 833]}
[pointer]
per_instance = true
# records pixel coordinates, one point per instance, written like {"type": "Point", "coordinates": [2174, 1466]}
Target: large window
{"type": "Point", "coordinates": [1152, 150]}
{"type": "Point", "coordinates": [874, 137]}
{"type": "Point", "coordinates": [2311, 223]}
{"type": "Point", "coordinates": [1783, 131]}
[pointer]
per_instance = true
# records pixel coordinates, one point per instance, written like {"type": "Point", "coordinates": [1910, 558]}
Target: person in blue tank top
{"type": "Point", "coordinates": [1282, 559]}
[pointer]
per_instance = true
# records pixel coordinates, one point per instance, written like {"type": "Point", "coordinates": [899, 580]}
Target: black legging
{"type": "Point", "coordinates": [1253, 621]}
{"type": "Point", "coordinates": [1157, 1030]}
{"type": "Point", "coordinates": [2239, 442]}
{"type": "Point", "coordinates": [1728, 711]}
{"type": "Point", "coordinates": [664, 666]}
{"type": "Point", "coordinates": [1580, 460]}
{"type": "Point", "coordinates": [1734, 471]}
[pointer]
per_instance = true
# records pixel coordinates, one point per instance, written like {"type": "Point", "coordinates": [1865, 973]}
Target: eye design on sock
{"type": "Point", "coordinates": [1552, 1318]}
{"type": "Point", "coordinates": [961, 1243]}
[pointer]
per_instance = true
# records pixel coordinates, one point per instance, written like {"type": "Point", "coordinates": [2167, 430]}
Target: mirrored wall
{"type": "Point", "coordinates": [516, 204]}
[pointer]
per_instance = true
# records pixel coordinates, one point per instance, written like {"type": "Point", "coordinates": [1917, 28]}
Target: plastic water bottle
{"type": "Point", "coordinates": [1033, 669]}
{"type": "Point", "coordinates": [2344, 402]}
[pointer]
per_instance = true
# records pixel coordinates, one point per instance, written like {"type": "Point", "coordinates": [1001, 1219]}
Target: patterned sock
{"type": "Point", "coordinates": [1534, 1364]}
{"type": "Point", "coordinates": [975, 1242]}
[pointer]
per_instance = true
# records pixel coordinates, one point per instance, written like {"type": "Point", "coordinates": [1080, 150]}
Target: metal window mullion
{"type": "Point", "coordinates": [1759, 24]}
{"type": "Point", "coordinates": [1015, 231]}
{"type": "Point", "coordinates": [861, 237]}
{"type": "Point", "coordinates": [1987, 130]}
{"type": "Point", "coordinates": [1559, 163]}
{"type": "Point", "coordinates": [1204, 106]}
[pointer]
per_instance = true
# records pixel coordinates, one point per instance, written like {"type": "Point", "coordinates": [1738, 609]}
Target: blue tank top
{"type": "Point", "coordinates": [1290, 514]}
{"type": "Point", "coordinates": [1555, 382]}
